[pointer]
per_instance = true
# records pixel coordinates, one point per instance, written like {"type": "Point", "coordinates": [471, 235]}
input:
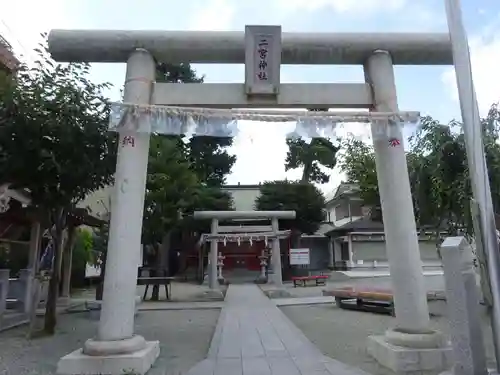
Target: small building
{"type": "Point", "coordinates": [357, 236]}
{"type": "Point", "coordinates": [246, 256]}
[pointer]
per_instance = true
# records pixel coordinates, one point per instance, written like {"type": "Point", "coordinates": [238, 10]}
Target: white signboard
{"type": "Point", "coordinates": [300, 257]}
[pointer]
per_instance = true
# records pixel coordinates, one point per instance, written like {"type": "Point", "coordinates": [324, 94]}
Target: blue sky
{"type": "Point", "coordinates": [430, 90]}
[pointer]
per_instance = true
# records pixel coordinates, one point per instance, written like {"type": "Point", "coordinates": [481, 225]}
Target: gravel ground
{"type": "Point", "coordinates": [181, 292]}
{"type": "Point", "coordinates": [184, 338]}
{"type": "Point", "coordinates": [342, 334]}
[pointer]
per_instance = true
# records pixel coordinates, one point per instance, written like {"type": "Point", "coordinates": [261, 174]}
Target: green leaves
{"type": "Point", "coordinates": [208, 156]}
{"type": "Point", "coordinates": [54, 141]}
{"type": "Point", "coordinates": [169, 181]}
{"type": "Point", "coordinates": [53, 133]}
{"type": "Point", "coordinates": [183, 175]}
{"type": "Point", "coordinates": [358, 162]}
{"type": "Point", "coordinates": [210, 160]}
{"type": "Point", "coordinates": [174, 190]}
{"type": "Point", "coordinates": [310, 156]}
{"type": "Point", "coordinates": [438, 171]}
{"type": "Point", "coordinates": [304, 198]}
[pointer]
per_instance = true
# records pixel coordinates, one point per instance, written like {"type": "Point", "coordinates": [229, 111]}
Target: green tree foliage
{"type": "Point", "coordinates": [438, 171]}
{"type": "Point", "coordinates": [174, 191]}
{"type": "Point", "coordinates": [100, 251]}
{"type": "Point", "coordinates": [358, 163]}
{"type": "Point", "coordinates": [183, 175]}
{"type": "Point", "coordinates": [210, 160]}
{"type": "Point", "coordinates": [302, 197]}
{"type": "Point", "coordinates": [439, 176]}
{"type": "Point", "coordinates": [310, 156]}
{"type": "Point", "coordinates": [491, 134]}
{"type": "Point", "coordinates": [208, 156]}
{"type": "Point", "coordinates": [54, 142]}
{"type": "Point", "coordinates": [170, 184]}
{"type": "Point", "coordinates": [82, 254]}
{"type": "Point", "coordinates": [176, 73]}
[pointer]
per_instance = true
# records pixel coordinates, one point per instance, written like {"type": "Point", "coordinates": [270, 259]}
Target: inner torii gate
{"type": "Point", "coordinates": [274, 236]}
{"type": "Point", "coordinates": [116, 347]}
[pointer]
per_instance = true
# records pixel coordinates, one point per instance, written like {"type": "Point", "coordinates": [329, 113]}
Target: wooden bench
{"type": "Point", "coordinates": [159, 280]}
{"type": "Point", "coordinates": [301, 280]}
{"type": "Point", "coordinates": [363, 299]}
{"type": "Point", "coordinates": [368, 299]}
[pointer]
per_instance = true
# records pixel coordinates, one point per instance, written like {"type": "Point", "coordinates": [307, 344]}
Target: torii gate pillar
{"type": "Point", "coordinates": [116, 349]}
{"type": "Point", "coordinates": [412, 337]}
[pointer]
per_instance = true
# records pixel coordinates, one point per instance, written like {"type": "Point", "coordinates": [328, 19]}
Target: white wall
{"type": "Point", "coordinates": [244, 198]}
{"type": "Point", "coordinates": [98, 202]}
{"type": "Point", "coordinates": [368, 251]}
{"type": "Point", "coordinates": [332, 216]}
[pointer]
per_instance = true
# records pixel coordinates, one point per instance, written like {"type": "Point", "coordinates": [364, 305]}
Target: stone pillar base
{"type": "Point", "coordinates": [137, 362]}
{"type": "Point", "coordinates": [411, 360]}
{"type": "Point", "coordinates": [278, 293]}
{"type": "Point", "coordinates": [262, 279]}
{"type": "Point", "coordinates": [94, 307]}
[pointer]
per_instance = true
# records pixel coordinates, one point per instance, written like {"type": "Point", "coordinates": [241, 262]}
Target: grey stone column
{"type": "Point", "coordinates": [331, 253]}
{"type": "Point", "coordinates": [276, 255]}
{"type": "Point", "coordinates": [411, 346]}
{"type": "Point", "coordinates": [412, 312]}
{"type": "Point", "coordinates": [4, 290]}
{"type": "Point", "coordinates": [462, 301]}
{"type": "Point", "coordinates": [212, 272]}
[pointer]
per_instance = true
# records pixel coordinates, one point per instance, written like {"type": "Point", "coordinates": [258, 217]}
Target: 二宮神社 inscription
{"type": "Point", "coordinates": [262, 59]}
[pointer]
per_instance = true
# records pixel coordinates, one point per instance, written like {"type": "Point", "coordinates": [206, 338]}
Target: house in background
{"type": "Point", "coordinates": [358, 241]}
{"type": "Point", "coordinates": [8, 61]}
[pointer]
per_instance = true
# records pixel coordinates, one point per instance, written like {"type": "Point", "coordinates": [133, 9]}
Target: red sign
{"type": "Point", "coordinates": [394, 142]}
{"type": "Point", "coordinates": [128, 140]}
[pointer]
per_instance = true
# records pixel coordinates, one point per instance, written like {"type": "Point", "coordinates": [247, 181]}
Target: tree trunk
{"type": "Point", "coordinates": [200, 262]}
{"type": "Point", "coordinates": [295, 237]}
{"type": "Point", "coordinates": [437, 236]}
{"type": "Point", "coordinates": [155, 294]}
{"type": "Point", "coordinates": [100, 286]}
{"type": "Point", "coordinates": [166, 244]}
{"type": "Point", "coordinates": [65, 288]}
{"type": "Point", "coordinates": [37, 280]}
{"type": "Point", "coordinates": [51, 305]}
{"type": "Point", "coordinates": [306, 173]}
{"type": "Point", "coordinates": [162, 263]}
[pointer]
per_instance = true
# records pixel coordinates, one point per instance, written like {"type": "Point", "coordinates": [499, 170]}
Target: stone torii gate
{"type": "Point", "coordinates": [116, 347]}
{"type": "Point", "coordinates": [274, 216]}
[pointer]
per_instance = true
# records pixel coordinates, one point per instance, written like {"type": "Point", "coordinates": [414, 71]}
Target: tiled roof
{"type": "Point", "coordinates": [363, 224]}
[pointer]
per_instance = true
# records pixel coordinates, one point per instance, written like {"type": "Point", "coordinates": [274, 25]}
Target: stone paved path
{"type": "Point", "coordinates": [253, 337]}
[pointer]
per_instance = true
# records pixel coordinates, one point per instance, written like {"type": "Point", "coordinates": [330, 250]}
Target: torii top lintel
{"type": "Point", "coordinates": [228, 47]}
{"type": "Point", "coordinates": [244, 215]}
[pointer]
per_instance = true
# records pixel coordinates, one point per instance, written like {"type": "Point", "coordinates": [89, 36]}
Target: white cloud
{"type": "Point", "coordinates": [261, 149]}
{"type": "Point", "coordinates": [344, 6]}
{"type": "Point", "coordinates": [22, 23]}
{"type": "Point", "coordinates": [485, 54]}
{"type": "Point", "coordinates": [215, 15]}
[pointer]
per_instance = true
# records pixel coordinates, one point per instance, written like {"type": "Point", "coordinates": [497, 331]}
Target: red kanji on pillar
{"type": "Point", "coordinates": [393, 142]}
{"type": "Point", "coordinates": [128, 140]}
